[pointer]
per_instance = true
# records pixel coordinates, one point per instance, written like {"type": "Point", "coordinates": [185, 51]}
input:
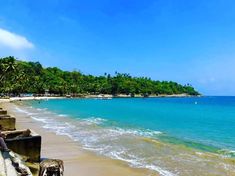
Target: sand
{"type": "Point", "coordinates": [77, 161]}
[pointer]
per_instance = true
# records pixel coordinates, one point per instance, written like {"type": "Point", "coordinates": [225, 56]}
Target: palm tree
{"type": "Point", "coordinates": [7, 66]}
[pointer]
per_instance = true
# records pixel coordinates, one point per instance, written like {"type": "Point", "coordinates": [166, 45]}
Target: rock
{"type": "Point", "coordinates": [12, 165]}
{"type": "Point", "coordinates": [2, 165]}
{"type": "Point", "coordinates": [9, 168]}
{"type": "Point", "coordinates": [19, 165]}
{"type": "Point", "coordinates": [51, 167]}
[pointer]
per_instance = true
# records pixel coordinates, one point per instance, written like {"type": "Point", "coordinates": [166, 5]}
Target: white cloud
{"type": "Point", "coordinates": [14, 41]}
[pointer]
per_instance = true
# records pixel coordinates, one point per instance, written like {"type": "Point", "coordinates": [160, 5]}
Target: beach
{"type": "Point", "coordinates": [77, 161]}
{"type": "Point", "coordinates": [117, 88]}
{"type": "Point", "coordinates": [133, 136]}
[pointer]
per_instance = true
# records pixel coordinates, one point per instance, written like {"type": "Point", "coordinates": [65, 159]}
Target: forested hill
{"type": "Point", "coordinates": [30, 77]}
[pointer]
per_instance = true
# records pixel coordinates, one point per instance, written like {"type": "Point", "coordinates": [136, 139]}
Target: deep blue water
{"type": "Point", "coordinates": [202, 122]}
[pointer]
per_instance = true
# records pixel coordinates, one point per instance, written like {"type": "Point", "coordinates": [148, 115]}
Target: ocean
{"type": "Point", "coordinates": [172, 136]}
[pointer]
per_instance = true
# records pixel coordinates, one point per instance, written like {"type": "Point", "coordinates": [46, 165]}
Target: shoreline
{"type": "Point", "coordinates": [101, 96]}
{"type": "Point", "coordinates": [77, 161]}
{"type": "Point", "coordinates": [11, 99]}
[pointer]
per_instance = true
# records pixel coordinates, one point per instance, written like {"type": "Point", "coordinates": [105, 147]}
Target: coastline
{"type": "Point", "coordinates": [77, 161]}
{"type": "Point", "coordinates": [140, 96]}
{"type": "Point", "coordinates": [101, 96]}
{"type": "Point", "coordinates": [11, 99]}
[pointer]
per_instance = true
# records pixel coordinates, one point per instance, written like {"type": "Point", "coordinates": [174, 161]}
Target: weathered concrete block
{"type": "Point", "coordinates": [29, 146]}
{"type": "Point", "coordinates": [51, 167]}
{"type": "Point", "coordinates": [4, 115]}
{"type": "Point", "coordinates": [7, 122]}
{"type": "Point", "coordinates": [3, 111]}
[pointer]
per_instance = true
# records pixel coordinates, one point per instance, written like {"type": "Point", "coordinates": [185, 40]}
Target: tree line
{"type": "Point", "coordinates": [17, 77]}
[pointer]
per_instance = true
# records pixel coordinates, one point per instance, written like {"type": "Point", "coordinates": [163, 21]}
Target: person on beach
{"type": "Point", "coordinates": [2, 142]}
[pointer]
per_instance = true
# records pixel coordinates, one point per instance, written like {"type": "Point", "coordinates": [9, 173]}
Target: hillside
{"type": "Point", "coordinates": [31, 77]}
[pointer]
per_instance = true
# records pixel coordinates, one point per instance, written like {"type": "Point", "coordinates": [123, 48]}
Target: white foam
{"type": "Point", "coordinates": [25, 111]}
{"type": "Point", "coordinates": [136, 132]}
{"type": "Point", "coordinates": [63, 115]}
{"type": "Point", "coordinates": [100, 140]}
{"type": "Point", "coordinates": [100, 149]}
{"type": "Point", "coordinates": [21, 110]}
{"type": "Point", "coordinates": [227, 153]}
{"type": "Point", "coordinates": [136, 163]}
{"type": "Point", "coordinates": [160, 170]}
{"type": "Point", "coordinates": [95, 120]}
{"type": "Point", "coordinates": [39, 119]}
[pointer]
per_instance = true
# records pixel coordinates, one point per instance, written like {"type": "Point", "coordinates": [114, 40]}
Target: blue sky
{"type": "Point", "coordinates": [184, 41]}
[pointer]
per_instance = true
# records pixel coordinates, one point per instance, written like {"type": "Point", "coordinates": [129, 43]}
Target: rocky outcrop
{"type": "Point", "coordinates": [6, 167]}
{"type": "Point", "coordinates": [11, 164]}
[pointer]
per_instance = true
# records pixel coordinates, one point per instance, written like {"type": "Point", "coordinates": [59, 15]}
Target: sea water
{"type": "Point", "coordinates": [172, 136]}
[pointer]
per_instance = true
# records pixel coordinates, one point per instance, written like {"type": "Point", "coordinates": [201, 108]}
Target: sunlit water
{"type": "Point", "coordinates": [172, 136]}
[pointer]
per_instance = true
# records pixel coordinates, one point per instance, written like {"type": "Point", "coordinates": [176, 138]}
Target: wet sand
{"type": "Point", "coordinates": [77, 161]}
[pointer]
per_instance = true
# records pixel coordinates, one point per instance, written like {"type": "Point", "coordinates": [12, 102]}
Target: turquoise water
{"type": "Point", "coordinates": [127, 129]}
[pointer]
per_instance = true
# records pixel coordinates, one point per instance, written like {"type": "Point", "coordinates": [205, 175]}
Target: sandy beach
{"type": "Point", "coordinates": [77, 161]}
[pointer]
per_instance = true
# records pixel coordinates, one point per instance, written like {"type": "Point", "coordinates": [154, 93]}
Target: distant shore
{"type": "Point", "coordinates": [101, 96]}
{"type": "Point", "coordinates": [135, 96]}
{"type": "Point", "coordinates": [28, 98]}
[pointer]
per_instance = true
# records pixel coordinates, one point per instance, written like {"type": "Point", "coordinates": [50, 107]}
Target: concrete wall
{"type": "Point", "coordinates": [27, 146]}
{"type": "Point", "coordinates": [3, 111]}
{"type": "Point", "coordinates": [7, 123]}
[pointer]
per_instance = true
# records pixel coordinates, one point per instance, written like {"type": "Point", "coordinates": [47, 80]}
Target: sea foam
{"type": "Point", "coordinates": [88, 133]}
{"type": "Point", "coordinates": [132, 145]}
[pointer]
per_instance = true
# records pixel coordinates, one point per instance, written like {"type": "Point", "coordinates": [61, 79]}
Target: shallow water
{"type": "Point", "coordinates": [173, 136]}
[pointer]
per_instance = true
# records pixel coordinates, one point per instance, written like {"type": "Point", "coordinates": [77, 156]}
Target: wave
{"type": "Point", "coordinates": [136, 132]}
{"type": "Point", "coordinates": [25, 111]}
{"type": "Point", "coordinates": [133, 145]}
{"type": "Point", "coordinates": [93, 137]}
{"type": "Point", "coordinates": [63, 115]}
{"type": "Point", "coordinates": [39, 119]}
{"type": "Point", "coordinates": [40, 109]}
{"type": "Point", "coordinates": [137, 162]}
{"type": "Point", "coordinates": [227, 153]}
{"type": "Point", "coordinates": [95, 120]}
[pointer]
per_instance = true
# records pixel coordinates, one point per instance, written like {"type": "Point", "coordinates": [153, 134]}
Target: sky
{"type": "Point", "coordinates": [183, 41]}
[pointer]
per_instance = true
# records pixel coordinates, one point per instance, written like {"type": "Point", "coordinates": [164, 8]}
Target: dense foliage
{"type": "Point", "coordinates": [30, 77]}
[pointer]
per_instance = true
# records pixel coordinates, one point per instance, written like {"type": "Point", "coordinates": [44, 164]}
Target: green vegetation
{"type": "Point", "coordinates": [18, 77]}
